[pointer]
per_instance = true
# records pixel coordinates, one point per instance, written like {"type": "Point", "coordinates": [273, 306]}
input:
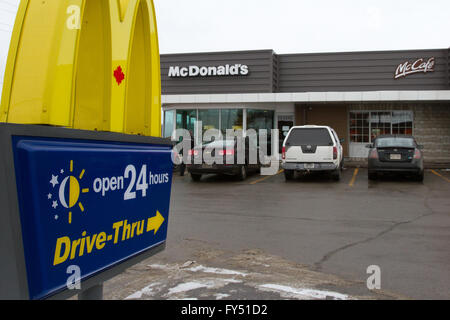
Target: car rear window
{"type": "Point", "coordinates": [395, 142]}
{"type": "Point", "coordinates": [310, 136]}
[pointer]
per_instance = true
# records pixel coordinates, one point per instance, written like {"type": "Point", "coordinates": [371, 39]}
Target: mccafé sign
{"type": "Point", "coordinates": [419, 66]}
{"type": "Point", "coordinates": [216, 71]}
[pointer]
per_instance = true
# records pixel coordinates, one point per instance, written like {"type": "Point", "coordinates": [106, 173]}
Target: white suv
{"type": "Point", "coordinates": [312, 148]}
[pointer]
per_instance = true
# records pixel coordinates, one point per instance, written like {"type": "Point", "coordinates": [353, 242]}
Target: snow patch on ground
{"type": "Point", "coordinates": [230, 281]}
{"type": "Point", "coordinates": [148, 290]}
{"type": "Point", "coordinates": [198, 268]}
{"type": "Point", "coordinates": [304, 293]}
{"type": "Point", "coordinates": [220, 296]}
{"type": "Point", "coordinates": [201, 268]}
{"type": "Point", "coordinates": [204, 283]}
{"type": "Point", "coordinates": [160, 266]}
{"type": "Point", "coordinates": [188, 286]}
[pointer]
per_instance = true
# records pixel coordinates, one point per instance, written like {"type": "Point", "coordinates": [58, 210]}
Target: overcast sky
{"type": "Point", "coordinates": [287, 26]}
{"type": "Point", "coordinates": [294, 26]}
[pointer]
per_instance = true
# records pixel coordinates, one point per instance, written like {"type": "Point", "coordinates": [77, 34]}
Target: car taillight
{"type": "Point", "coordinates": [227, 152]}
{"type": "Point", "coordinates": [283, 153]}
{"type": "Point", "coordinates": [373, 154]}
{"type": "Point", "coordinates": [174, 156]}
{"type": "Point", "coordinates": [417, 154]}
{"type": "Point", "coordinates": [193, 152]}
{"type": "Point", "coordinates": [335, 153]}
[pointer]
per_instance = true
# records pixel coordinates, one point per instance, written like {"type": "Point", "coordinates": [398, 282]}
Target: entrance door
{"type": "Point", "coordinates": [285, 123]}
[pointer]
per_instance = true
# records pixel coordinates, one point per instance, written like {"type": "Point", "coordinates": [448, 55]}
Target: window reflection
{"type": "Point", "coordinates": [222, 119]}
{"type": "Point", "coordinates": [168, 123]}
{"type": "Point", "coordinates": [380, 123]}
{"type": "Point", "coordinates": [261, 119]}
{"type": "Point", "coordinates": [209, 119]}
{"type": "Point", "coordinates": [232, 119]}
{"type": "Point", "coordinates": [186, 119]}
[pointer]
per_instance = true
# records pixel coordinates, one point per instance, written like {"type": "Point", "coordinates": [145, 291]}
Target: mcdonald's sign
{"type": "Point", "coordinates": [85, 177]}
{"type": "Point", "coordinates": [85, 64]}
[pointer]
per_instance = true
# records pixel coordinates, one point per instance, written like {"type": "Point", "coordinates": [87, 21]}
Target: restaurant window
{"type": "Point", "coordinates": [168, 123]}
{"type": "Point", "coordinates": [186, 119]}
{"type": "Point", "coordinates": [209, 119]}
{"type": "Point", "coordinates": [380, 123]}
{"type": "Point", "coordinates": [365, 126]}
{"type": "Point", "coordinates": [402, 122]}
{"type": "Point", "coordinates": [231, 119]}
{"type": "Point", "coordinates": [261, 119]}
{"type": "Point", "coordinates": [359, 127]}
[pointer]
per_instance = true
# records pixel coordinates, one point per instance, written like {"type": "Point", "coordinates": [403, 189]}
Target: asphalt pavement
{"type": "Point", "coordinates": [313, 228]}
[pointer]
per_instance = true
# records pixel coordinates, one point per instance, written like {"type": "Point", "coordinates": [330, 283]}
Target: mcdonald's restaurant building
{"type": "Point", "coordinates": [360, 94]}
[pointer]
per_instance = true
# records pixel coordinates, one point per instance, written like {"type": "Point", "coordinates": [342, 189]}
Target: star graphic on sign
{"type": "Point", "coordinates": [56, 217]}
{"type": "Point", "coordinates": [54, 181]}
{"type": "Point", "coordinates": [55, 204]}
{"type": "Point", "coordinates": [62, 171]}
{"type": "Point", "coordinates": [49, 196]}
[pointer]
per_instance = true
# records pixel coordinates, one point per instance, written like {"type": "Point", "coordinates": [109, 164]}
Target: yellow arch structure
{"type": "Point", "coordinates": [85, 64]}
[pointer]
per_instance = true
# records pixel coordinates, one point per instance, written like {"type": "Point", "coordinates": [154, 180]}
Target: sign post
{"type": "Point", "coordinates": [94, 293]}
{"type": "Point", "coordinates": [85, 175]}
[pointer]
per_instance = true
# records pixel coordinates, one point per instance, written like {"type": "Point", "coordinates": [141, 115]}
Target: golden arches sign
{"type": "Point", "coordinates": [85, 64]}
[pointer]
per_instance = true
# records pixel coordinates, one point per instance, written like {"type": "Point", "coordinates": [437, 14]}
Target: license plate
{"type": "Point", "coordinates": [207, 166]}
{"type": "Point", "coordinates": [309, 166]}
{"type": "Point", "coordinates": [396, 157]}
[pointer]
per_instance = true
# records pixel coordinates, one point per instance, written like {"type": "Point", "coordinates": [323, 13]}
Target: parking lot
{"type": "Point", "coordinates": [267, 238]}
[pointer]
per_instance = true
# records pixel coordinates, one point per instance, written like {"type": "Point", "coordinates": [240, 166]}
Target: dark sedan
{"type": "Point", "coordinates": [221, 157]}
{"type": "Point", "coordinates": [395, 153]}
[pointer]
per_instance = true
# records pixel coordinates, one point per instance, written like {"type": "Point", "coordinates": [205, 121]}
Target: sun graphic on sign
{"type": "Point", "coordinates": [69, 191]}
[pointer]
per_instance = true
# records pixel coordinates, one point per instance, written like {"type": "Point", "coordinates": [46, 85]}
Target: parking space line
{"type": "Point", "coordinates": [266, 177]}
{"type": "Point", "coordinates": [355, 174]}
{"type": "Point", "coordinates": [440, 175]}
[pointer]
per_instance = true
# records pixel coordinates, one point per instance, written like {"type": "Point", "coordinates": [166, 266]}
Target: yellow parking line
{"type": "Point", "coordinates": [440, 175]}
{"type": "Point", "coordinates": [355, 174]}
{"type": "Point", "coordinates": [266, 177]}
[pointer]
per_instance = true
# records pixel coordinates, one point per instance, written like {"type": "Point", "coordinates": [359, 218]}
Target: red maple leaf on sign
{"type": "Point", "coordinates": [119, 75]}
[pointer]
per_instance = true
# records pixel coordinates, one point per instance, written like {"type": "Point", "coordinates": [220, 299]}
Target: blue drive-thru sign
{"type": "Point", "coordinates": [92, 204]}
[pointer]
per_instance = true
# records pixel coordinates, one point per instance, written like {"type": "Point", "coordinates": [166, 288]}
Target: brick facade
{"type": "Point", "coordinates": [432, 129]}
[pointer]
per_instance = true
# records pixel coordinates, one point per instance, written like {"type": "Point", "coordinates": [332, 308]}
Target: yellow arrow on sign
{"type": "Point", "coordinates": [155, 223]}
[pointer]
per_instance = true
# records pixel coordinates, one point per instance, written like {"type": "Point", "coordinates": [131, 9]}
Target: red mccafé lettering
{"type": "Point", "coordinates": [418, 66]}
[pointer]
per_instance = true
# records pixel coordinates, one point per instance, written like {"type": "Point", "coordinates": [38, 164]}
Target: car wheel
{"type": "Point", "coordinates": [242, 175]}
{"type": "Point", "coordinates": [182, 170]}
{"type": "Point", "coordinates": [289, 175]}
{"type": "Point", "coordinates": [336, 175]}
{"type": "Point", "coordinates": [372, 176]}
{"type": "Point", "coordinates": [420, 177]}
{"type": "Point", "coordinates": [196, 177]}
